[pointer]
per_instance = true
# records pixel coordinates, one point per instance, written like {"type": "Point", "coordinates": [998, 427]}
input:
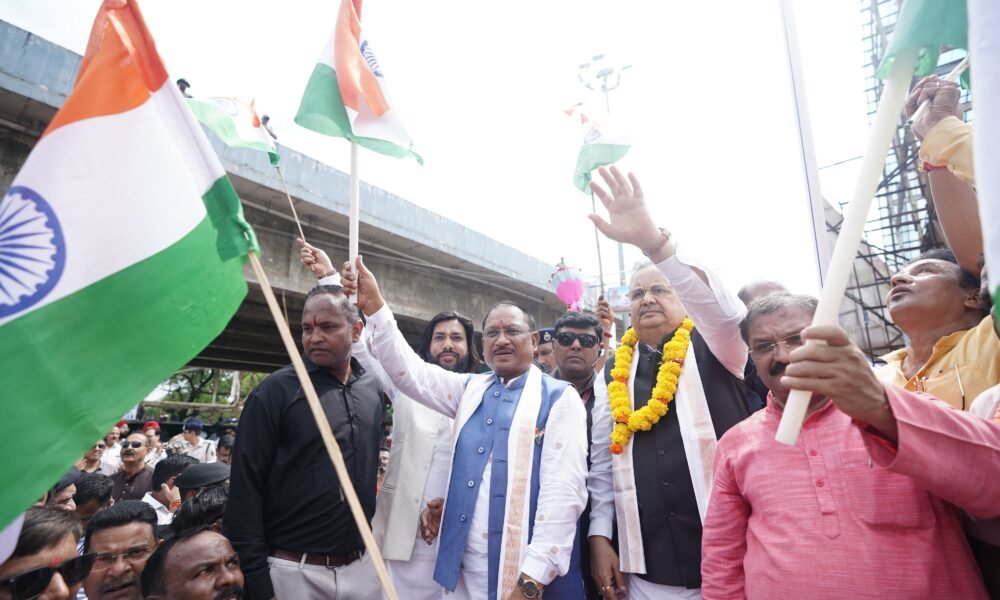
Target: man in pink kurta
{"type": "Point", "coordinates": [865, 505]}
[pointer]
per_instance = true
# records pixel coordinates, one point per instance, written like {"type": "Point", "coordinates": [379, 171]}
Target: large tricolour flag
{"type": "Point", "coordinates": [984, 48]}
{"type": "Point", "coordinates": [346, 95]}
{"type": "Point", "coordinates": [120, 257]}
{"type": "Point", "coordinates": [600, 148]}
{"type": "Point", "coordinates": [235, 122]}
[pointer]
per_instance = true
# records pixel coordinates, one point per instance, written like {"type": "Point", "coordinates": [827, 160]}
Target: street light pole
{"type": "Point", "coordinates": [610, 78]}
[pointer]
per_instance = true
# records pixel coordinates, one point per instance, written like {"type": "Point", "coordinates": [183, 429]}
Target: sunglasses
{"type": "Point", "coordinates": [566, 339]}
{"type": "Point", "coordinates": [27, 586]}
{"type": "Point", "coordinates": [132, 444]}
{"type": "Point", "coordinates": [99, 446]}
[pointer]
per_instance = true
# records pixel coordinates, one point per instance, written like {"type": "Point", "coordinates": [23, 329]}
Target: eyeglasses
{"type": "Point", "coordinates": [132, 444]}
{"type": "Point", "coordinates": [767, 348]}
{"type": "Point", "coordinates": [31, 584]}
{"type": "Point", "coordinates": [566, 339]}
{"type": "Point", "coordinates": [133, 556]}
{"type": "Point", "coordinates": [510, 332]}
{"type": "Point", "coordinates": [100, 446]}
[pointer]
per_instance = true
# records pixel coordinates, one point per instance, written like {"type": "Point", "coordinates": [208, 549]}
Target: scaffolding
{"type": "Point", "coordinates": [902, 223]}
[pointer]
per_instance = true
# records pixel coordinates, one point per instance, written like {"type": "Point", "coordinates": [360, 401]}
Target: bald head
{"type": "Point", "coordinates": [759, 289]}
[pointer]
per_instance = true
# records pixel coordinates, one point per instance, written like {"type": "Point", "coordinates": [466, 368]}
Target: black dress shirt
{"type": "Point", "coordinates": [284, 493]}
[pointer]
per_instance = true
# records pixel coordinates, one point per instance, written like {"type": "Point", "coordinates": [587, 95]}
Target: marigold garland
{"type": "Point", "coordinates": [626, 421]}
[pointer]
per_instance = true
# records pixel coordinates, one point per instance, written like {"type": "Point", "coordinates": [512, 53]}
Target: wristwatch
{"type": "Point", "coordinates": [529, 587]}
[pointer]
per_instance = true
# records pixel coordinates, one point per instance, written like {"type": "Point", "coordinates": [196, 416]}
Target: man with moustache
{"type": "Point", "coordinates": [544, 354]}
{"type": "Point", "coordinates": [122, 537]}
{"type": "Point", "coordinates": [577, 343]}
{"type": "Point", "coordinates": [196, 564]}
{"type": "Point", "coordinates": [417, 473]}
{"type": "Point", "coordinates": [657, 481]}
{"type": "Point", "coordinates": [864, 505]}
{"type": "Point", "coordinates": [518, 472]}
{"type": "Point", "coordinates": [295, 537]}
{"type": "Point", "coordinates": [135, 477]}
{"type": "Point", "coordinates": [418, 462]}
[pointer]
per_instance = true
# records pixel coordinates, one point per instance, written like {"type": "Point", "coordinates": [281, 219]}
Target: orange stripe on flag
{"type": "Point", "coordinates": [354, 77]}
{"type": "Point", "coordinates": [119, 70]}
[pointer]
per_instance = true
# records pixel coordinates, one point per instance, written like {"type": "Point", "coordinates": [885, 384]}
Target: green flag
{"type": "Point", "coordinates": [598, 150]}
{"type": "Point", "coordinates": [927, 25]}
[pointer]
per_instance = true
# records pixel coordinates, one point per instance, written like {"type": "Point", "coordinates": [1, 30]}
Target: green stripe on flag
{"type": "Point", "coordinates": [322, 110]}
{"type": "Point", "coordinates": [927, 25]}
{"type": "Point", "coordinates": [86, 359]}
{"type": "Point", "coordinates": [593, 156]}
{"type": "Point", "coordinates": [236, 237]}
{"type": "Point", "coordinates": [221, 123]}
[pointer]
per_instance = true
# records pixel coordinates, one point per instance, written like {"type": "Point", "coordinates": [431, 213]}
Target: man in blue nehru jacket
{"type": "Point", "coordinates": [518, 474]}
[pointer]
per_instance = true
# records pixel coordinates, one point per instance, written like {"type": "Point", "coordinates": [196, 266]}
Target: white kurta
{"type": "Point", "coordinates": [417, 473]}
{"type": "Point", "coordinates": [563, 466]}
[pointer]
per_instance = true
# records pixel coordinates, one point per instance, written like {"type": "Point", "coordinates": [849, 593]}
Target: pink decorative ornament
{"type": "Point", "coordinates": [567, 283]}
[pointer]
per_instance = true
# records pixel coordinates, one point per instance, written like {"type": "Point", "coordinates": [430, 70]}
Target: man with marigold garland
{"type": "Point", "coordinates": [675, 386]}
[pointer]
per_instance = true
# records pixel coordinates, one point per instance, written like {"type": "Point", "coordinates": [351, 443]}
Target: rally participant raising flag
{"type": "Point", "coordinates": [236, 123]}
{"type": "Point", "coordinates": [599, 149]}
{"type": "Point", "coordinates": [346, 97]}
{"type": "Point", "coordinates": [120, 256]}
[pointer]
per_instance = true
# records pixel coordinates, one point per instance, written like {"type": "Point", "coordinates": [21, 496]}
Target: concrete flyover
{"type": "Point", "coordinates": [425, 262]}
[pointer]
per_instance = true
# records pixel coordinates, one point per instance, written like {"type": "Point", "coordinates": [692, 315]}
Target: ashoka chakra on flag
{"type": "Point", "coordinates": [32, 250]}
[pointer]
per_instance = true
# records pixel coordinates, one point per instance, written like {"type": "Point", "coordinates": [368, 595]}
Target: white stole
{"type": "Point", "coordinates": [698, 436]}
{"type": "Point", "coordinates": [520, 465]}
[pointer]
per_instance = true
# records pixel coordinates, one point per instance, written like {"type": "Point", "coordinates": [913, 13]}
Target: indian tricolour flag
{"type": "Point", "coordinates": [120, 258]}
{"type": "Point", "coordinates": [599, 148]}
{"type": "Point", "coordinates": [984, 48]}
{"type": "Point", "coordinates": [346, 95]}
{"type": "Point", "coordinates": [235, 122]}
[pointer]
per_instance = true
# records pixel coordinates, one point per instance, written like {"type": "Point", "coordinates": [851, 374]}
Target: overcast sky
{"type": "Point", "coordinates": [482, 87]}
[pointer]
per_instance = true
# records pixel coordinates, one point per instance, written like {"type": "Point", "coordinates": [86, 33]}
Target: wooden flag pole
{"type": "Point", "coordinates": [853, 226]}
{"type": "Point", "coordinates": [597, 241]}
{"type": "Point", "coordinates": [291, 204]}
{"type": "Point", "coordinates": [332, 448]}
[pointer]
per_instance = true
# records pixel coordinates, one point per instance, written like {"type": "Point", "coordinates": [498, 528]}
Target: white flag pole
{"type": "Point", "coordinates": [355, 214]}
{"type": "Point", "coordinates": [810, 169]}
{"type": "Point", "coordinates": [852, 228]}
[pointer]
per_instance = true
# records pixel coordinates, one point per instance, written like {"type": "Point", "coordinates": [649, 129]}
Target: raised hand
{"type": "Point", "coordinates": [315, 259]}
{"type": "Point", "coordinates": [944, 97]}
{"type": "Point", "coordinates": [361, 282]}
{"type": "Point", "coordinates": [629, 219]}
{"type": "Point", "coordinates": [839, 370]}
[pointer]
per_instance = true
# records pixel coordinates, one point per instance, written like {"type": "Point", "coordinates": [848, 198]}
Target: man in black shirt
{"type": "Point", "coordinates": [577, 345]}
{"type": "Point", "coordinates": [286, 516]}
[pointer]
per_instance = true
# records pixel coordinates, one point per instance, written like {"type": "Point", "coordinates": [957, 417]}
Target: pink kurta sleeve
{"type": "Point", "coordinates": [950, 453]}
{"type": "Point", "coordinates": [724, 538]}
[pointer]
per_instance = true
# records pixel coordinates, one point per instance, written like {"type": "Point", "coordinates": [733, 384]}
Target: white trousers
{"type": "Point", "coordinates": [640, 589]}
{"type": "Point", "coordinates": [299, 581]}
{"type": "Point", "coordinates": [414, 578]}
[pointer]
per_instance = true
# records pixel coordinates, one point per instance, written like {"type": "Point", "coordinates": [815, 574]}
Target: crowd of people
{"type": "Point", "coordinates": [562, 463]}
